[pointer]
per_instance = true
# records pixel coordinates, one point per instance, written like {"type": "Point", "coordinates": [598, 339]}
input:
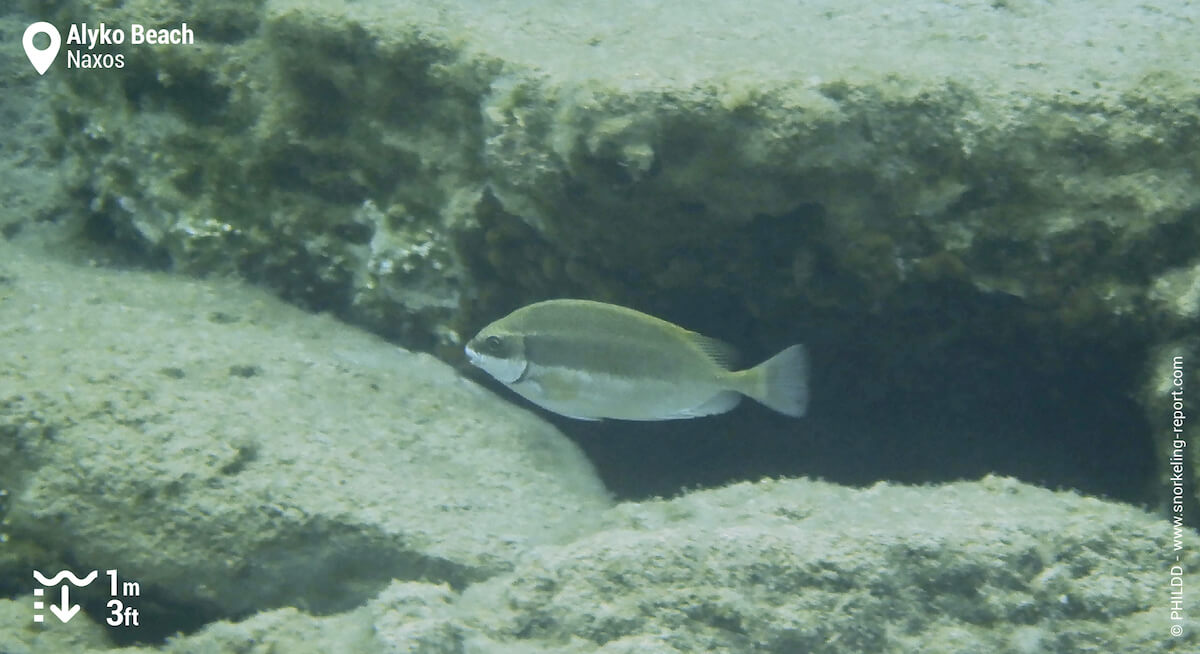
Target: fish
{"type": "Point", "coordinates": [593, 360]}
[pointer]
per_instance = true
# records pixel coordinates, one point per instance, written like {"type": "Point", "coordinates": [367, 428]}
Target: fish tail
{"type": "Point", "coordinates": [781, 382]}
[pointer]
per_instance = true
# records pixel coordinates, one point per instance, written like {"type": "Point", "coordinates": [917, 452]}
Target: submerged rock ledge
{"type": "Point", "coordinates": [1007, 183]}
{"type": "Point", "coordinates": [278, 479]}
{"type": "Point", "coordinates": [282, 479]}
{"type": "Point", "coordinates": [232, 453]}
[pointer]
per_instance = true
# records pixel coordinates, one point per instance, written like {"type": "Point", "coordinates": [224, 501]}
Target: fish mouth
{"type": "Point", "coordinates": [472, 355]}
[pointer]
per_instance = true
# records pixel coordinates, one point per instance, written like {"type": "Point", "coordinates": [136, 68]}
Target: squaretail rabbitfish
{"type": "Point", "coordinates": [592, 360]}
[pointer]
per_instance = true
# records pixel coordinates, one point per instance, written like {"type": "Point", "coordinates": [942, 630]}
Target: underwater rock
{"type": "Point", "coordinates": [974, 208]}
{"type": "Point", "coordinates": [20, 635]}
{"type": "Point", "coordinates": [231, 453]}
{"type": "Point", "coordinates": [350, 168]}
{"type": "Point", "coordinates": [781, 567]}
{"type": "Point", "coordinates": [828, 165]}
{"type": "Point", "coordinates": [805, 566]}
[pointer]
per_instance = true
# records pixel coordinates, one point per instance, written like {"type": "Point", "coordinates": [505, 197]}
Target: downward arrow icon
{"type": "Point", "coordinates": [67, 610]}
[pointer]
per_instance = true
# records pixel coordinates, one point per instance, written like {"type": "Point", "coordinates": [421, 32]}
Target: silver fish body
{"type": "Point", "coordinates": [592, 360]}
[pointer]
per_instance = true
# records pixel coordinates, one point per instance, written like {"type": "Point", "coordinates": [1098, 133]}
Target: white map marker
{"type": "Point", "coordinates": [41, 59]}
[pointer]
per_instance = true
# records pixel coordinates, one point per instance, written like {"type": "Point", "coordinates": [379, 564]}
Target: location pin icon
{"type": "Point", "coordinates": [41, 59]}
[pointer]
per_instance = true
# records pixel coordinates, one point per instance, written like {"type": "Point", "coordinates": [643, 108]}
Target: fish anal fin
{"type": "Point", "coordinates": [719, 403]}
{"type": "Point", "coordinates": [588, 418]}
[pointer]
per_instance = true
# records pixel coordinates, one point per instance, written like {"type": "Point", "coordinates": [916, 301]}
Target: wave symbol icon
{"type": "Point", "coordinates": [65, 574]}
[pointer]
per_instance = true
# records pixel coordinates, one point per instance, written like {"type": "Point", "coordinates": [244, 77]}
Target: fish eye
{"type": "Point", "coordinates": [493, 342]}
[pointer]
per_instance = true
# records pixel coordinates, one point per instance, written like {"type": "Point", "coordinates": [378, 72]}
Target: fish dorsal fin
{"type": "Point", "coordinates": [720, 352]}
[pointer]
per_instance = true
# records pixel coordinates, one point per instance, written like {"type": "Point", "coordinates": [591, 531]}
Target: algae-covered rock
{"type": "Point", "coordinates": [1010, 178]}
{"type": "Point", "coordinates": [232, 454]}
{"type": "Point", "coordinates": [345, 151]}
{"type": "Point", "coordinates": [802, 566]}
{"type": "Point", "coordinates": [980, 216]}
{"type": "Point", "coordinates": [19, 634]}
{"type": "Point", "coordinates": [787, 566]}
{"type": "Point", "coordinates": [1171, 409]}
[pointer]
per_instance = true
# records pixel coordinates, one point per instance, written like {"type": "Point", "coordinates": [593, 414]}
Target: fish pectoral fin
{"type": "Point", "coordinates": [553, 398]}
{"type": "Point", "coordinates": [719, 403]}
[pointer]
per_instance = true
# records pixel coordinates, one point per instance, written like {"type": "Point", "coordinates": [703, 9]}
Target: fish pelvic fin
{"type": "Point", "coordinates": [780, 382]}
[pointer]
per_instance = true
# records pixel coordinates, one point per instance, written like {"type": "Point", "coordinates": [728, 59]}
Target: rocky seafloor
{"type": "Point", "coordinates": [981, 217]}
{"type": "Point", "coordinates": [989, 210]}
{"type": "Point", "coordinates": [279, 481]}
